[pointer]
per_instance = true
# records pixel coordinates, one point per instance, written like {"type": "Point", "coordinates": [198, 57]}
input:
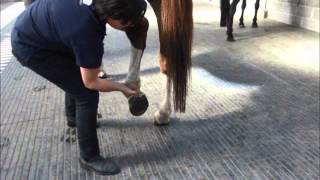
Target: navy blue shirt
{"type": "Point", "coordinates": [63, 26]}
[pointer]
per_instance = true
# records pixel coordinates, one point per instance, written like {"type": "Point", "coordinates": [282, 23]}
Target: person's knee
{"type": "Point", "coordinates": [92, 96]}
{"type": "Point", "coordinates": [88, 97]}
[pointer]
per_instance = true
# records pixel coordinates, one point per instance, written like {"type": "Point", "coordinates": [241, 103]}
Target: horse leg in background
{"type": "Point", "coordinates": [224, 9]}
{"type": "Point", "coordinates": [243, 7]}
{"type": "Point", "coordinates": [232, 11]}
{"type": "Point", "coordinates": [162, 115]}
{"type": "Point", "coordinates": [254, 23]}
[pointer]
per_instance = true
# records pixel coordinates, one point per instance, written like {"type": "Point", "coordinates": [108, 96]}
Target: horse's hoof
{"type": "Point", "coordinates": [138, 104]}
{"type": "Point", "coordinates": [230, 38]}
{"type": "Point", "coordinates": [161, 118]}
{"type": "Point", "coordinates": [241, 25]}
{"type": "Point", "coordinates": [254, 25]}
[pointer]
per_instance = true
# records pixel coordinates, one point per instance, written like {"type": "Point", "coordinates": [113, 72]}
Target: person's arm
{"type": "Point", "coordinates": [91, 81]}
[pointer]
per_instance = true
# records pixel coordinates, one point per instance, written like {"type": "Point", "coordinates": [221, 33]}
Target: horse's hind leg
{"type": "Point", "coordinates": [175, 34]}
{"type": "Point", "coordinates": [162, 115]}
{"type": "Point", "coordinates": [137, 36]}
{"type": "Point", "coordinates": [254, 23]}
{"type": "Point", "coordinates": [232, 11]}
{"type": "Point", "coordinates": [243, 7]}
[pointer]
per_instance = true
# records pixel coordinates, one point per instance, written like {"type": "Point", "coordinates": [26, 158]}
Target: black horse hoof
{"type": "Point", "coordinates": [254, 25]}
{"type": "Point", "coordinates": [230, 38]}
{"type": "Point", "coordinates": [241, 25]}
{"type": "Point", "coordinates": [138, 104]}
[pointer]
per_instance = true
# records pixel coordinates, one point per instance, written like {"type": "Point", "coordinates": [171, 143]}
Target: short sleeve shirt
{"type": "Point", "coordinates": [61, 25]}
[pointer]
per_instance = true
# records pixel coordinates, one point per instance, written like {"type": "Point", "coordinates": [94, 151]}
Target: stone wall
{"type": "Point", "coordinates": [303, 13]}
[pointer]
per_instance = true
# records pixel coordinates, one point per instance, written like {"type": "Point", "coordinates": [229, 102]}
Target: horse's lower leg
{"type": "Point", "coordinates": [254, 22]}
{"type": "Point", "coordinates": [162, 115]}
{"type": "Point", "coordinates": [232, 11]}
{"type": "Point", "coordinates": [243, 7]}
{"type": "Point", "coordinates": [133, 76]}
{"type": "Point", "coordinates": [224, 9]}
{"type": "Point", "coordinates": [137, 36]}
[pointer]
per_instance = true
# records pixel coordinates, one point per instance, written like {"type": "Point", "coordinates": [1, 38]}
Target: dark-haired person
{"type": "Point", "coordinates": [62, 41]}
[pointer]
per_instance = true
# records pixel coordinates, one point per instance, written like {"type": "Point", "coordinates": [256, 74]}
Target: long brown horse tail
{"type": "Point", "coordinates": [176, 34]}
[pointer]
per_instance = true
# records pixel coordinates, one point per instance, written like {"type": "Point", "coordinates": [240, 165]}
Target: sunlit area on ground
{"type": "Point", "coordinates": [217, 93]}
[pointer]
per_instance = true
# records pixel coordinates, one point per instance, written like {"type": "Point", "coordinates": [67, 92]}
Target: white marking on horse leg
{"type": "Point", "coordinates": [133, 76]}
{"type": "Point", "coordinates": [162, 116]}
{"type": "Point", "coordinates": [166, 103]}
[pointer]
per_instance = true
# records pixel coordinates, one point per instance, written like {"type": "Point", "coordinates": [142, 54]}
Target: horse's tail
{"type": "Point", "coordinates": [176, 34]}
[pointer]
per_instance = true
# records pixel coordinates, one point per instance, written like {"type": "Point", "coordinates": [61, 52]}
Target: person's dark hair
{"type": "Point", "coordinates": [125, 10]}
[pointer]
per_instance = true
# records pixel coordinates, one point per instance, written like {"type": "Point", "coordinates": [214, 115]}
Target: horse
{"type": "Point", "coordinates": [175, 24]}
{"type": "Point", "coordinates": [227, 13]}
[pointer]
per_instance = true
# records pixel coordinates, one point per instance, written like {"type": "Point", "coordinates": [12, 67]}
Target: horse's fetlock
{"type": "Point", "coordinates": [134, 85]}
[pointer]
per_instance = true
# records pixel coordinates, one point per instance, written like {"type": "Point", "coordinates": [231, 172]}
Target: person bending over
{"type": "Point", "coordinates": [62, 41]}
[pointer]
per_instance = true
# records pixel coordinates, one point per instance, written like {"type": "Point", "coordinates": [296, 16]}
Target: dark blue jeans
{"type": "Point", "coordinates": [81, 102]}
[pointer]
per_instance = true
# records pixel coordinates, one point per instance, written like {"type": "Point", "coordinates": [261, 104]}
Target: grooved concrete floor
{"type": "Point", "coordinates": [252, 112]}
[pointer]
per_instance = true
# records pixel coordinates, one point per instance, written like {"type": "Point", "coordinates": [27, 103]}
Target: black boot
{"type": "Point", "coordinates": [103, 166]}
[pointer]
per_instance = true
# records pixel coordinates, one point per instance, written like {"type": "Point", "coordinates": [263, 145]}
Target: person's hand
{"type": "Point", "coordinates": [127, 91]}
